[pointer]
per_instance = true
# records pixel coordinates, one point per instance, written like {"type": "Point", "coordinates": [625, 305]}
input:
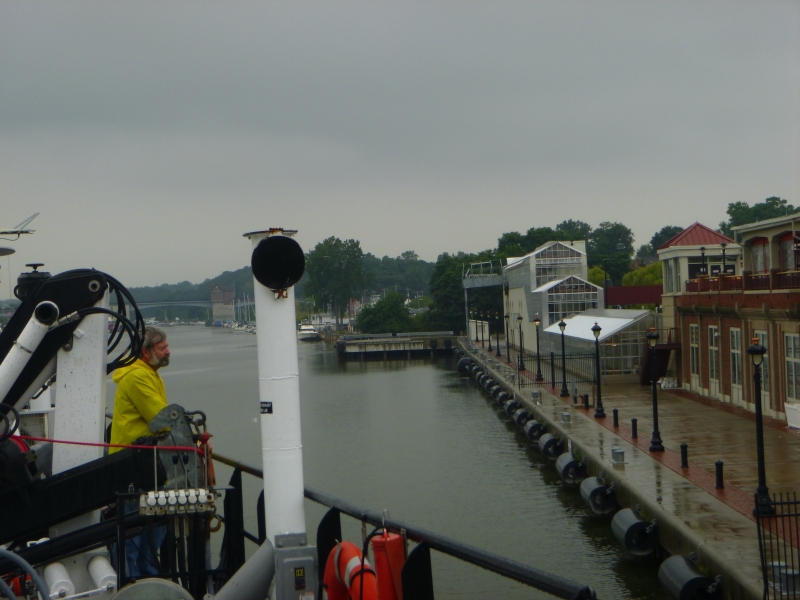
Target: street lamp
{"type": "Point", "coordinates": [537, 321]}
{"type": "Point", "coordinates": [489, 330]}
{"type": "Point", "coordinates": [655, 440]}
{"type": "Point", "coordinates": [703, 260]}
{"type": "Point", "coordinates": [599, 413]}
{"type": "Point", "coordinates": [564, 391]}
{"type": "Point", "coordinates": [521, 344]}
{"type": "Point", "coordinates": [763, 504]}
{"type": "Point", "coordinates": [481, 316]}
{"type": "Point", "coordinates": [722, 270]}
{"type": "Point", "coordinates": [508, 355]}
{"type": "Point", "coordinates": [497, 333]}
{"type": "Point", "coordinates": [474, 314]}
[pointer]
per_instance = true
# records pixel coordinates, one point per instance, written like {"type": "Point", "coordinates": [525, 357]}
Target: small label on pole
{"type": "Point", "coordinates": [266, 408]}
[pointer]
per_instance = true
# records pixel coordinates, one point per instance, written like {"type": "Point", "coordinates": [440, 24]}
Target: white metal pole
{"type": "Point", "coordinates": [279, 405]}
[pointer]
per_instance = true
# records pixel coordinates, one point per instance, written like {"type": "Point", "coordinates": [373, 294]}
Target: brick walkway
{"type": "Point", "coordinates": [712, 429]}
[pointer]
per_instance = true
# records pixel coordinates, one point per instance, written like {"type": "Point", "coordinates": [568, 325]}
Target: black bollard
{"type": "Point", "coordinates": [718, 465]}
{"type": "Point", "coordinates": [586, 401]}
{"type": "Point", "coordinates": [634, 433]}
{"type": "Point", "coordinates": [684, 456]}
{"type": "Point", "coordinates": [615, 412]}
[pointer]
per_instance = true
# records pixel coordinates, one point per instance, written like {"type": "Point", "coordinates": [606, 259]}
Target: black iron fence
{"type": "Point", "coordinates": [551, 370]}
{"type": "Point", "coordinates": [778, 542]}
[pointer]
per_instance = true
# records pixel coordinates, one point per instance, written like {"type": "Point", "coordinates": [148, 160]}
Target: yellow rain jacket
{"type": "Point", "coordinates": [140, 397]}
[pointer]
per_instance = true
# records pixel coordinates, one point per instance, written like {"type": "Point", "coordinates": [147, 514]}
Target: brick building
{"type": "Point", "coordinates": [222, 304]}
{"type": "Point", "coordinates": [718, 305]}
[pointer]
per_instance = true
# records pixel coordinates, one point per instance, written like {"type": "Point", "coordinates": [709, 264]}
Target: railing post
{"type": "Point", "coordinates": [552, 369]}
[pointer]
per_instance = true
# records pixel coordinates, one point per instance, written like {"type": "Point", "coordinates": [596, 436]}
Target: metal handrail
{"type": "Point", "coordinates": [542, 580]}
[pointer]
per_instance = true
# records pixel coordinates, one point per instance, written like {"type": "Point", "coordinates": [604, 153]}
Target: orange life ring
{"type": "Point", "coordinates": [344, 576]}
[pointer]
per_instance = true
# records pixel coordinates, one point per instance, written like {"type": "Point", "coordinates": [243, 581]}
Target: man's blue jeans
{"type": "Point", "coordinates": [140, 559]}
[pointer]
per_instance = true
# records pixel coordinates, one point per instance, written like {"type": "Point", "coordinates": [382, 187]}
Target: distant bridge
{"type": "Point", "coordinates": [200, 303]}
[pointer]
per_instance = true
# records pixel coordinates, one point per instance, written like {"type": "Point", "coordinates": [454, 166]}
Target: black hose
{"type": "Point", "coordinates": [22, 563]}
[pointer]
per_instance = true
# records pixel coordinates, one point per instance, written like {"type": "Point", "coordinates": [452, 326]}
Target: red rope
{"type": "Point", "coordinates": [103, 445]}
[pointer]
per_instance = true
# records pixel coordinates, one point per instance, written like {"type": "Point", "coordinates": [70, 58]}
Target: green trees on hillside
{"type": "Point", "coordinates": [741, 213]}
{"type": "Point", "coordinates": [405, 274]}
{"type": "Point", "coordinates": [648, 275]}
{"type": "Point", "coordinates": [389, 315]}
{"type": "Point", "coordinates": [447, 311]}
{"type": "Point", "coordinates": [335, 274]}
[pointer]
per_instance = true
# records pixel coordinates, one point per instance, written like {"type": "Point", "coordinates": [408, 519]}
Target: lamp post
{"type": "Point", "coordinates": [480, 314]}
{"type": "Point", "coordinates": [521, 344]}
{"type": "Point", "coordinates": [497, 333]}
{"type": "Point", "coordinates": [489, 331]}
{"type": "Point", "coordinates": [722, 270]}
{"type": "Point", "coordinates": [703, 260]}
{"type": "Point", "coordinates": [763, 504]}
{"type": "Point", "coordinates": [655, 440]}
{"type": "Point", "coordinates": [599, 413]}
{"type": "Point", "coordinates": [536, 322]}
{"type": "Point", "coordinates": [508, 355]}
{"type": "Point", "coordinates": [564, 391]}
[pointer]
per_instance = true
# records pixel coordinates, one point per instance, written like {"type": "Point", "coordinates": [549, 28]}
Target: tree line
{"type": "Point", "coordinates": [339, 270]}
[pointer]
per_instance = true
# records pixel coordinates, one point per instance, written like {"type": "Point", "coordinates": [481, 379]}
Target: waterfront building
{"type": "Point", "coordinates": [552, 282]}
{"type": "Point", "coordinates": [222, 304]}
{"type": "Point", "coordinates": [720, 294]}
{"type": "Point", "coordinates": [620, 343]}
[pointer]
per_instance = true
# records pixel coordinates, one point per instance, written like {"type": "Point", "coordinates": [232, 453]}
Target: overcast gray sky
{"type": "Point", "coordinates": [151, 135]}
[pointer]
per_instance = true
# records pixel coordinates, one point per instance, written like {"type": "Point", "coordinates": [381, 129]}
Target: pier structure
{"type": "Point", "coordinates": [387, 345]}
{"type": "Point", "coordinates": [676, 488]}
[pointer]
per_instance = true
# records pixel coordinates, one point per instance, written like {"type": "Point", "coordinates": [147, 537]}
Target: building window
{"type": "Point", "coordinates": [694, 350]}
{"type": "Point", "coordinates": [736, 357]}
{"type": "Point", "coordinates": [713, 352]}
{"type": "Point", "coordinates": [792, 341]}
{"type": "Point", "coordinates": [555, 262]}
{"type": "Point", "coordinates": [569, 297]}
{"type": "Point", "coordinates": [668, 277]}
{"type": "Point", "coordinates": [788, 256]}
{"type": "Point", "coordinates": [762, 339]}
{"type": "Point", "coordinates": [760, 249]}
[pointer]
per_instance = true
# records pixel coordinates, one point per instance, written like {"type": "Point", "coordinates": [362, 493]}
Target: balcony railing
{"type": "Point", "coordinates": [750, 282]}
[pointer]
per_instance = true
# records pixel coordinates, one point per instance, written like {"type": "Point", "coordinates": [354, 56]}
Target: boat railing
{"type": "Point", "coordinates": [426, 540]}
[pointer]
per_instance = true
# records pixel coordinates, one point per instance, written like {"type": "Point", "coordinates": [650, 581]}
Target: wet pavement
{"type": "Point", "coordinates": [694, 516]}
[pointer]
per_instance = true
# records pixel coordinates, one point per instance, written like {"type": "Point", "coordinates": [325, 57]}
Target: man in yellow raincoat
{"type": "Point", "coordinates": [140, 397]}
{"type": "Point", "coordinates": [140, 390]}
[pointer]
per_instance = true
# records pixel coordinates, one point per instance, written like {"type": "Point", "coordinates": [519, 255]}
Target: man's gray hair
{"type": "Point", "coordinates": [152, 336]}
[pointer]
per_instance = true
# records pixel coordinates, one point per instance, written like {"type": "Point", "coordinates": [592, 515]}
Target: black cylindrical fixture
{"type": "Point", "coordinates": [718, 467]}
{"type": "Point", "coordinates": [639, 537]}
{"type": "Point", "coordinates": [463, 364]}
{"type": "Point", "coordinates": [598, 496]}
{"type": "Point", "coordinates": [682, 579]}
{"type": "Point", "coordinates": [684, 456]}
{"type": "Point", "coordinates": [615, 412]}
{"type": "Point", "coordinates": [586, 401]}
{"type": "Point", "coordinates": [634, 432]}
{"type": "Point", "coordinates": [570, 469]}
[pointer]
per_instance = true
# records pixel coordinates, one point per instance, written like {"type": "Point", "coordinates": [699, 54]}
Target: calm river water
{"type": "Point", "coordinates": [413, 437]}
